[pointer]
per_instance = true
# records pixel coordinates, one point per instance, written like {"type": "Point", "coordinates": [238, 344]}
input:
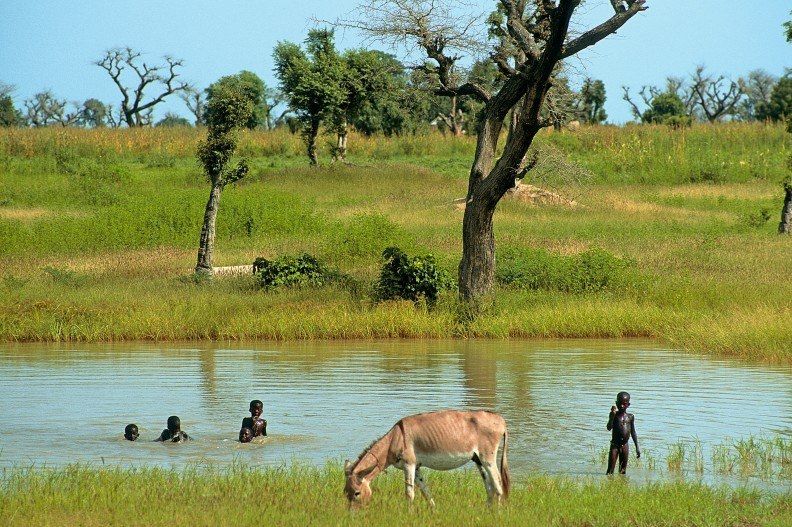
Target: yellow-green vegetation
{"type": "Point", "coordinates": [99, 231]}
{"type": "Point", "coordinates": [312, 496]}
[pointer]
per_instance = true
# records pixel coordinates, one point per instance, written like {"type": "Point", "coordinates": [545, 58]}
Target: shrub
{"type": "Point", "coordinates": [590, 271]}
{"type": "Point", "coordinates": [410, 278]}
{"type": "Point", "coordinates": [291, 271]}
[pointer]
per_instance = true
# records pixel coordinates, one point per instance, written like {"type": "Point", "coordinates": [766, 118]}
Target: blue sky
{"type": "Point", "coordinates": [50, 44]}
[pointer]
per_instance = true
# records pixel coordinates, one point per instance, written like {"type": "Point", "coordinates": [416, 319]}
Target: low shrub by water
{"type": "Point", "coordinates": [291, 271]}
{"type": "Point", "coordinates": [410, 277]}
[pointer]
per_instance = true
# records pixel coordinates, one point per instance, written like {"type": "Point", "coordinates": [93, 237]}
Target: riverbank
{"type": "Point", "coordinates": [298, 495]}
{"type": "Point", "coordinates": [98, 231]}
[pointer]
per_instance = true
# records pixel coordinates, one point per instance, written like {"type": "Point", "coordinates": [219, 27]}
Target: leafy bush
{"type": "Point", "coordinates": [590, 271]}
{"type": "Point", "coordinates": [410, 278]}
{"type": "Point", "coordinates": [292, 271]}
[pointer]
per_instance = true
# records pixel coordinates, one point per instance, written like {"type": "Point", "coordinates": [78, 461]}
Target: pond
{"type": "Point", "coordinates": [327, 400]}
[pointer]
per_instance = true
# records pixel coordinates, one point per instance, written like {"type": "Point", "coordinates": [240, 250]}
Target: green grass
{"type": "Point", "coordinates": [296, 495]}
{"type": "Point", "coordinates": [98, 230]}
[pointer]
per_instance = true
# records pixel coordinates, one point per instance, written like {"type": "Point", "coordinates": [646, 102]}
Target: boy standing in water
{"type": "Point", "coordinates": [255, 423]}
{"type": "Point", "coordinates": [622, 426]}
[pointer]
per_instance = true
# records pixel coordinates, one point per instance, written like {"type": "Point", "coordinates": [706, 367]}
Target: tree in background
{"type": "Point", "coordinates": [196, 103]}
{"type": "Point", "coordinates": [788, 29]}
{"type": "Point", "coordinates": [715, 97]}
{"type": "Point", "coordinates": [9, 115]}
{"type": "Point", "coordinates": [250, 85]}
{"type": "Point", "coordinates": [134, 109]}
{"type": "Point", "coordinates": [228, 110]}
{"type": "Point", "coordinates": [531, 41]}
{"type": "Point", "coordinates": [93, 114]}
{"type": "Point", "coordinates": [44, 109]}
{"type": "Point", "coordinates": [779, 106]}
{"type": "Point", "coordinates": [172, 119]}
{"type": "Point", "coordinates": [592, 102]}
{"type": "Point", "coordinates": [372, 83]}
{"type": "Point", "coordinates": [757, 88]}
{"type": "Point", "coordinates": [312, 81]}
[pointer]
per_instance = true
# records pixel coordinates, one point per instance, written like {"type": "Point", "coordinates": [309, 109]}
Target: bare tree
{"type": "Point", "coordinates": [196, 103]}
{"type": "Point", "coordinates": [44, 109]}
{"type": "Point", "coordinates": [532, 40]}
{"type": "Point", "coordinates": [676, 87]}
{"type": "Point", "coordinates": [433, 27]}
{"type": "Point", "coordinates": [135, 111]}
{"type": "Point", "coordinates": [716, 97]}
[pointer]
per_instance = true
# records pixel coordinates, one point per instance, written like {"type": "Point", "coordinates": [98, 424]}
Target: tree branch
{"type": "Point", "coordinates": [594, 35]}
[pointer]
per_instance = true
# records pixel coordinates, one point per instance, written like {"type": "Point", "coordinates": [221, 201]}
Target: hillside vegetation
{"type": "Point", "coordinates": [99, 231]}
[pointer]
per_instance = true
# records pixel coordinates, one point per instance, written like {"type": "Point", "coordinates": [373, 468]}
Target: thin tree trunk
{"type": "Point", "coordinates": [456, 119]}
{"type": "Point", "coordinates": [206, 245]}
{"type": "Point", "coordinates": [785, 227]}
{"type": "Point", "coordinates": [341, 143]}
{"type": "Point", "coordinates": [310, 141]}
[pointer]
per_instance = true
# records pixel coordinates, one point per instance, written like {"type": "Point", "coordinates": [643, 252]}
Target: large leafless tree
{"type": "Point", "coordinates": [135, 109]}
{"type": "Point", "coordinates": [532, 41]}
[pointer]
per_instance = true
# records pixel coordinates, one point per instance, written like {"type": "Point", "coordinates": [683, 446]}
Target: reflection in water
{"type": "Point", "coordinates": [327, 400]}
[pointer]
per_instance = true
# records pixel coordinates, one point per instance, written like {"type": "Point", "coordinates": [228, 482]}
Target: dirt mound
{"type": "Point", "coordinates": [531, 195]}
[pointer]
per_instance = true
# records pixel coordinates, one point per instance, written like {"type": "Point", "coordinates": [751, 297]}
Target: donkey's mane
{"type": "Point", "coordinates": [368, 448]}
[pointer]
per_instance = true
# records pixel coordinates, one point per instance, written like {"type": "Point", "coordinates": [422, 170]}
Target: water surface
{"type": "Point", "coordinates": [327, 400]}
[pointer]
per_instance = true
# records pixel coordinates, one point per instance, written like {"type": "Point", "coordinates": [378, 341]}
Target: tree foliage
{"type": "Point", "coordinates": [251, 86]}
{"type": "Point", "coordinates": [312, 80]}
{"type": "Point", "coordinates": [592, 102]}
{"type": "Point", "coordinates": [779, 106]}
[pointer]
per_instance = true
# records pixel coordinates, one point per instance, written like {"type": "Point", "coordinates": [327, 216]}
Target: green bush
{"type": "Point", "coordinates": [410, 278]}
{"type": "Point", "coordinates": [292, 271]}
{"type": "Point", "coordinates": [590, 271]}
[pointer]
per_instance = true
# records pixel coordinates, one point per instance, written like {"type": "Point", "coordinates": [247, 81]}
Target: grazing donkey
{"type": "Point", "coordinates": [441, 440]}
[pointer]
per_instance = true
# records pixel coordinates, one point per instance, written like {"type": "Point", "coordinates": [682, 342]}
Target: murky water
{"type": "Point", "coordinates": [62, 404]}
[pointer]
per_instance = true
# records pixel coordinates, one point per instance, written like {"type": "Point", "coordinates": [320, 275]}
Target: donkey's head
{"type": "Point", "coordinates": [357, 488]}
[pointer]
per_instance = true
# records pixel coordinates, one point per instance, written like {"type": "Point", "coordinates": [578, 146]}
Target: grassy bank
{"type": "Point", "coordinates": [98, 230]}
{"type": "Point", "coordinates": [308, 496]}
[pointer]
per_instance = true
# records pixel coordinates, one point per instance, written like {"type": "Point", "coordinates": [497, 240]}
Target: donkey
{"type": "Point", "coordinates": [442, 440]}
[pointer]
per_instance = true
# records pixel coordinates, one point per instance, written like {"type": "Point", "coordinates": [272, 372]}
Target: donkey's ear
{"type": "Point", "coordinates": [365, 472]}
{"type": "Point", "coordinates": [347, 467]}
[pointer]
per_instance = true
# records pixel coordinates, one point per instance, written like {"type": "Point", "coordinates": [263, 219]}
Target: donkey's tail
{"type": "Point", "coordinates": [504, 466]}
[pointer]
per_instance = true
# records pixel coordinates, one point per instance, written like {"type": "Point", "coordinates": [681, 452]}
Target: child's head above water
{"type": "Point", "coordinates": [256, 407]}
{"type": "Point", "coordinates": [623, 400]}
{"type": "Point", "coordinates": [245, 435]}
{"type": "Point", "coordinates": [131, 432]}
{"type": "Point", "coordinates": [174, 423]}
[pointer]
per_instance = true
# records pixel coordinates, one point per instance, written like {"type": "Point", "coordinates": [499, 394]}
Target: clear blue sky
{"type": "Point", "coordinates": [50, 44]}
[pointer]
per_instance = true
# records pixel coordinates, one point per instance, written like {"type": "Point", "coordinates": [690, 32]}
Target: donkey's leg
{"type": "Point", "coordinates": [485, 477]}
{"type": "Point", "coordinates": [409, 481]}
{"type": "Point", "coordinates": [422, 485]}
{"type": "Point", "coordinates": [489, 463]}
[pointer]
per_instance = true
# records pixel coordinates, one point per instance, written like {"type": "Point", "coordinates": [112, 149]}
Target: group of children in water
{"type": "Point", "coordinates": [620, 423]}
{"type": "Point", "coordinates": [253, 426]}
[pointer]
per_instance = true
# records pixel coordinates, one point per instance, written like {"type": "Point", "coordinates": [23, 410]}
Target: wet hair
{"type": "Point", "coordinates": [255, 403]}
{"type": "Point", "coordinates": [623, 396]}
{"type": "Point", "coordinates": [174, 423]}
{"type": "Point", "coordinates": [245, 435]}
{"type": "Point", "coordinates": [131, 431]}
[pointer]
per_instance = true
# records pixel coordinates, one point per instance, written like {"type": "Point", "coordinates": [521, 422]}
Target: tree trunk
{"type": "Point", "coordinates": [456, 119]}
{"type": "Point", "coordinates": [206, 246]}
{"type": "Point", "coordinates": [477, 268]}
{"type": "Point", "coordinates": [785, 227]}
{"type": "Point", "coordinates": [341, 143]}
{"type": "Point", "coordinates": [310, 141]}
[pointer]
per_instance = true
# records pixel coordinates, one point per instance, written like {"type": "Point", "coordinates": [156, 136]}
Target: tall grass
{"type": "Point", "coordinates": [98, 228]}
{"type": "Point", "coordinates": [297, 495]}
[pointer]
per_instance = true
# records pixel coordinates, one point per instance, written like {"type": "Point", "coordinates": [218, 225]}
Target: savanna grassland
{"type": "Point", "coordinates": [99, 231]}
{"type": "Point", "coordinates": [312, 496]}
